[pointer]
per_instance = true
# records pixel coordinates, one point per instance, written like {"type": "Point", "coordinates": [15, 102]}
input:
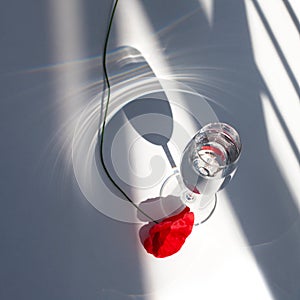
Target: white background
{"type": "Point", "coordinates": [242, 56]}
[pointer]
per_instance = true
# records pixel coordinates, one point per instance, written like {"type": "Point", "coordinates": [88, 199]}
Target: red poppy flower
{"type": "Point", "coordinates": [168, 236]}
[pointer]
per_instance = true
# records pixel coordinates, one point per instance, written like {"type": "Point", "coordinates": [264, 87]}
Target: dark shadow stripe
{"type": "Point", "coordinates": [282, 122]}
{"type": "Point", "coordinates": [277, 47]}
{"type": "Point", "coordinates": [292, 14]}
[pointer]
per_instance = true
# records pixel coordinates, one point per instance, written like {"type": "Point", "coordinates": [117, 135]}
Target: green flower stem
{"type": "Point", "coordinates": [105, 115]}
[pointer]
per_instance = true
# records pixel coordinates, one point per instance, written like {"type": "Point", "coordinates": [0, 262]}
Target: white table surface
{"type": "Point", "coordinates": [56, 240]}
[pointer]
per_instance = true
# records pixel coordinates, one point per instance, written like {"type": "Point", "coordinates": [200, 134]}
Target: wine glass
{"type": "Point", "coordinates": [208, 163]}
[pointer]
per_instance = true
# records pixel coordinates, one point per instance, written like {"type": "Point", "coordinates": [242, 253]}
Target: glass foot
{"type": "Point", "coordinates": [201, 205]}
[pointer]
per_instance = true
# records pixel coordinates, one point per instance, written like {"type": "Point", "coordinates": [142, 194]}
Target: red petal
{"type": "Point", "coordinates": [167, 237]}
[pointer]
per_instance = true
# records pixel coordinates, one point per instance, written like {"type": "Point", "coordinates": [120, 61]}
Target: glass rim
{"type": "Point", "coordinates": [237, 142]}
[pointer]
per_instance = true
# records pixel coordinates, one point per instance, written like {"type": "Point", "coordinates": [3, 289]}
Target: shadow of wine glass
{"type": "Point", "coordinates": [162, 128]}
{"type": "Point", "coordinates": [156, 130]}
